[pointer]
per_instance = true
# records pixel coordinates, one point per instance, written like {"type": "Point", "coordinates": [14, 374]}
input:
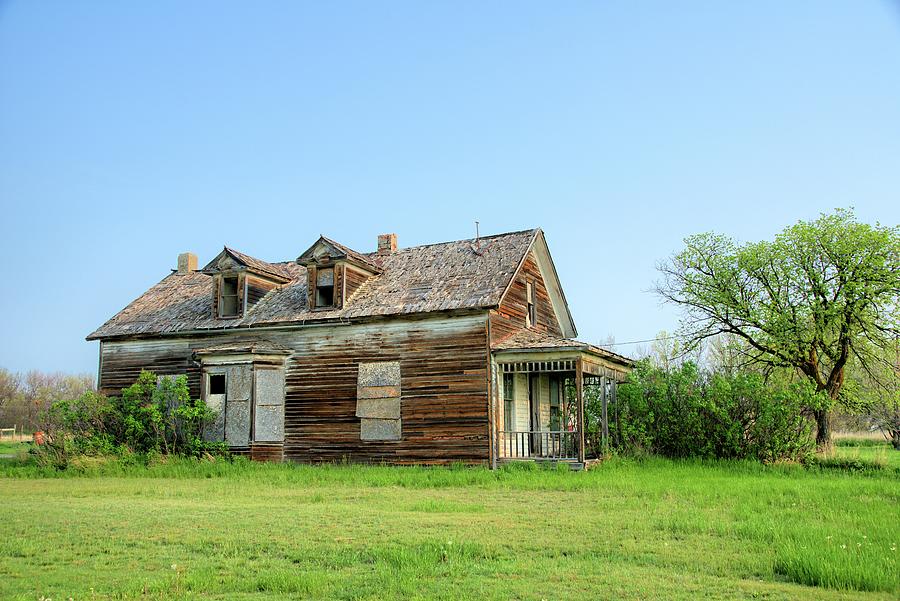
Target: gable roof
{"type": "Point", "coordinates": [335, 250]}
{"type": "Point", "coordinates": [421, 279]}
{"type": "Point", "coordinates": [530, 340]}
{"type": "Point", "coordinates": [251, 263]}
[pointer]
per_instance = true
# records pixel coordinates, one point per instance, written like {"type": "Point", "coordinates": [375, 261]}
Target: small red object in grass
{"type": "Point", "coordinates": [39, 438]}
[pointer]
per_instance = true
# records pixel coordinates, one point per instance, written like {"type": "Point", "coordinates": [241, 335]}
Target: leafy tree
{"type": "Point", "coordinates": [821, 295]}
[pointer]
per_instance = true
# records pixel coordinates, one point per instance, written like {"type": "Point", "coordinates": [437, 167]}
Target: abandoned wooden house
{"type": "Point", "coordinates": [455, 352]}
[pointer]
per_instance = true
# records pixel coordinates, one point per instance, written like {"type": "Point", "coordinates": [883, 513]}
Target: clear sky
{"type": "Point", "coordinates": [130, 132]}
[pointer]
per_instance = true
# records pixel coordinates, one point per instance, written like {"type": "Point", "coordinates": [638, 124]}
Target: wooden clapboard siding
{"type": "Point", "coordinates": [509, 317]}
{"type": "Point", "coordinates": [257, 288]}
{"type": "Point", "coordinates": [353, 279]}
{"type": "Point", "coordinates": [121, 362]}
{"type": "Point", "coordinates": [444, 385]}
{"type": "Point", "coordinates": [267, 451]}
{"type": "Point", "coordinates": [444, 406]}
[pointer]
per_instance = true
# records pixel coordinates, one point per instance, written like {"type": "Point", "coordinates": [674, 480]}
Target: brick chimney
{"type": "Point", "coordinates": [187, 262]}
{"type": "Point", "coordinates": [387, 243]}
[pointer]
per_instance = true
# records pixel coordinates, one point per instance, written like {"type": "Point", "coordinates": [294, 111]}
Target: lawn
{"type": "Point", "coordinates": [11, 448]}
{"type": "Point", "coordinates": [654, 529]}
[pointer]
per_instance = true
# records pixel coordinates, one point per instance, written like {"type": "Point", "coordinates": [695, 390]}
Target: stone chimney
{"type": "Point", "coordinates": [387, 243]}
{"type": "Point", "coordinates": [187, 262]}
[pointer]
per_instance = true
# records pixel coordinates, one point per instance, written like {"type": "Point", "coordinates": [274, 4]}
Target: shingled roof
{"type": "Point", "coordinates": [420, 279]}
{"type": "Point", "coordinates": [530, 340]}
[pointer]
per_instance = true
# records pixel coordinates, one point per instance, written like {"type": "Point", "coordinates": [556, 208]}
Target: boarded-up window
{"type": "Point", "coordinates": [214, 431]}
{"type": "Point", "coordinates": [269, 413]}
{"type": "Point", "coordinates": [378, 401]}
{"type": "Point", "coordinates": [237, 405]}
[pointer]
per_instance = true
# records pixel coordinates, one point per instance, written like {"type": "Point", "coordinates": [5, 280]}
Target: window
{"type": "Point", "coordinates": [228, 298]}
{"type": "Point", "coordinates": [509, 402]}
{"type": "Point", "coordinates": [530, 318]}
{"type": "Point", "coordinates": [555, 423]}
{"type": "Point", "coordinates": [216, 384]}
{"type": "Point", "coordinates": [325, 288]}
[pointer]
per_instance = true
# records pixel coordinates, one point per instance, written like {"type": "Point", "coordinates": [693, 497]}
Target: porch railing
{"type": "Point", "coordinates": [548, 444]}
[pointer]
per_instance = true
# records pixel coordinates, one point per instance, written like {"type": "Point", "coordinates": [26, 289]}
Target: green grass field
{"type": "Point", "coordinates": [654, 529]}
{"type": "Point", "coordinates": [11, 448]}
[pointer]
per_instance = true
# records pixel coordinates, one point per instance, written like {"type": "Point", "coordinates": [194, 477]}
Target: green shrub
{"type": "Point", "coordinates": [153, 416]}
{"type": "Point", "coordinates": [684, 412]}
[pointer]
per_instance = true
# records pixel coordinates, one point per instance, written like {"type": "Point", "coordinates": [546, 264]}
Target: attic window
{"type": "Point", "coordinates": [228, 299]}
{"type": "Point", "coordinates": [325, 288]}
{"type": "Point", "coordinates": [530, 317]}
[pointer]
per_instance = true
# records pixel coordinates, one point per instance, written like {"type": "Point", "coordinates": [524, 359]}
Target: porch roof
{"type": "Point", "coordinates": [530, 341]}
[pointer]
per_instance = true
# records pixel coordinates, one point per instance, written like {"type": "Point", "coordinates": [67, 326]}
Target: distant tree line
{"type": "Point", "coordinates": [26, 396]}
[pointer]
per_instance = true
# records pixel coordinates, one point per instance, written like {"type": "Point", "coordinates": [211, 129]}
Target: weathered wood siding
{"type": "Point", "coordinates": [121, 362]}
{"type": "Point", "coordinates": [444, 387]}
{"type": "Point", "coordinates": [510, 316]}
{"type": "Point", "coordinates": [354, 279]}
{"type": "Point", "coordinates": [444, 406]}
{"type": "Point", "coordinates": [257, 288]}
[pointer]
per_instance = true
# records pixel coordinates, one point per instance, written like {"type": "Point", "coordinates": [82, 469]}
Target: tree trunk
{"type": "Point", "coordinates": [823, 429]}
{"type": "Point", "coordinates": [895, 439]}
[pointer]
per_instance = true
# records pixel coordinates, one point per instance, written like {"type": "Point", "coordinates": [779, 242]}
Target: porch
{"type": "Point", "coordinates": [552, 398]}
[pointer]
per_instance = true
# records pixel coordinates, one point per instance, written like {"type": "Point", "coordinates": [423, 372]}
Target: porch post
{"type": "Point", "coordinates": [604, 382]}
{"type": "Point", "coordinates": [579, 388]}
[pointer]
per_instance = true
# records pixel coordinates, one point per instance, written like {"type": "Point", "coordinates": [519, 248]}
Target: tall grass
{"type": "Point", "coordinates": [646, 529]}
{"type": "Point", "coordinates": [839, 562]}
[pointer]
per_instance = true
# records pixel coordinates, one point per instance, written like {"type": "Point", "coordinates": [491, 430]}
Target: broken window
{"type": "Point", "coordinates": [530, 317]}
{"type": "Point", "coordinates": [325, 288]}
{"type": "Point", "coordinates": [217, 384]}
{"type": "Point", "coordinates": [228, 298]}
{"type": "Point", "coordinates": [509, 402]}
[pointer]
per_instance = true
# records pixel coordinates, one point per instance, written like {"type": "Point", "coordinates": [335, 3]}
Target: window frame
{"type": "Point", "coordinates": [236, 296]}
{"type": "Point", "coordinates": [209, 379]}
{"type": "Point", "coordinates": [530, 309]}
{"type": "Point", "coordinates": [556, 393]}
{"type": "Point", "coordinates": [509, 402]}
{"type": "Point", "coordinates": [319, 288]}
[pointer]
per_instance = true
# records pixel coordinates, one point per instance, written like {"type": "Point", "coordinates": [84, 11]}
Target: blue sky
{"type": "Point", "coordinates": [130, 132]}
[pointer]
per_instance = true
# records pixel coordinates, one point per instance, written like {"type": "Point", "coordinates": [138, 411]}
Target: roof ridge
{"type": "Point", "coordinates": [492, 236]}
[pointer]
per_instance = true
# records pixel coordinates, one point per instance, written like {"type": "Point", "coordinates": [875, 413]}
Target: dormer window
{"type": "Point", "coordinates": [228, 297]}
{"type": "Point", "coordinates": [324, 288]}
{"type": "Point", "coordinates": [333, 273]}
